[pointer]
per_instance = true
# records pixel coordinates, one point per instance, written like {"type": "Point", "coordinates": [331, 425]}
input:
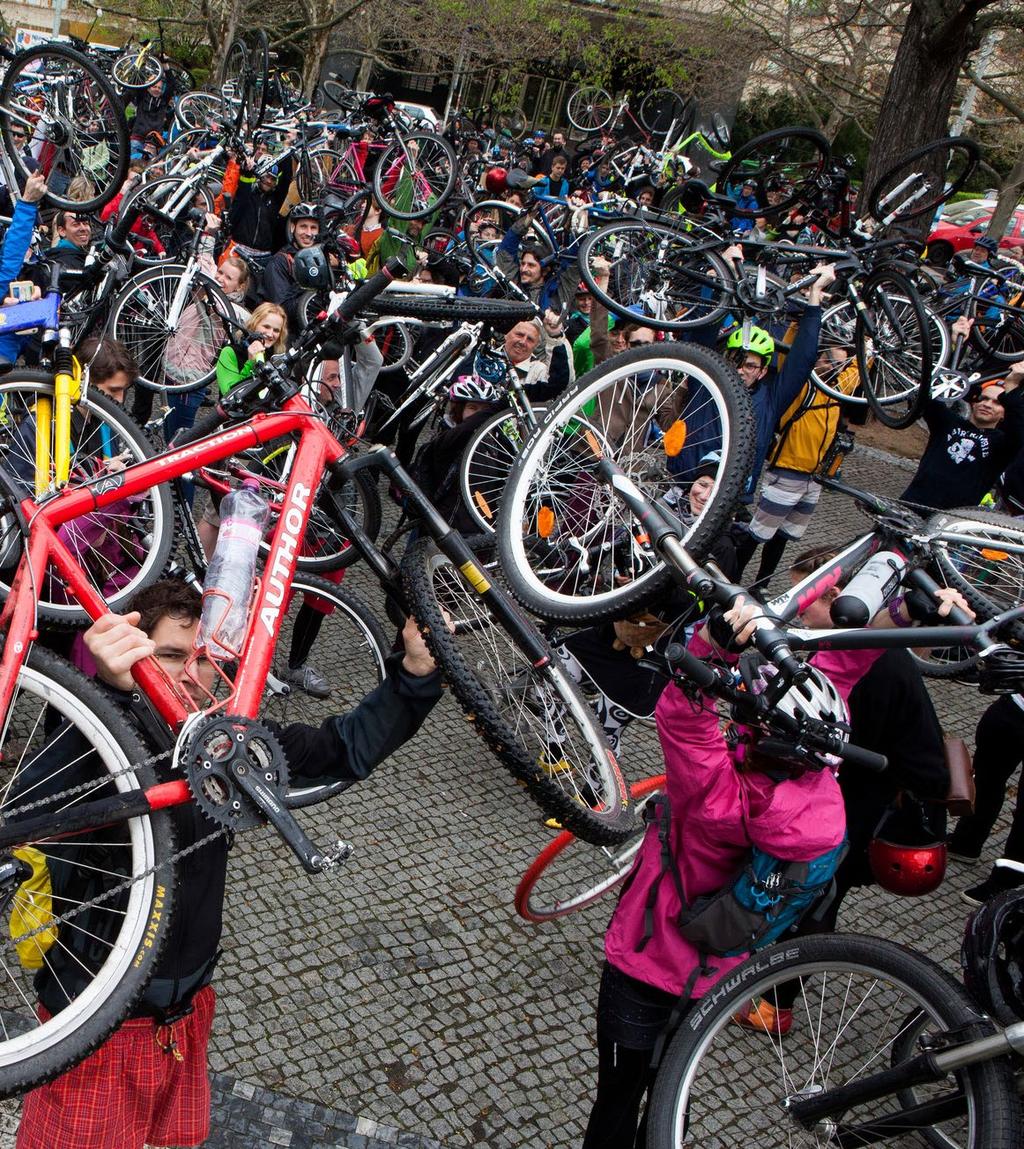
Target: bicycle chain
{"type": "Point", "coordinates": [108, 895]}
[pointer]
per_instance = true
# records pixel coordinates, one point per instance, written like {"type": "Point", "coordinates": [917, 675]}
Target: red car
{"type": "Point", "coordinates": [958, 234]}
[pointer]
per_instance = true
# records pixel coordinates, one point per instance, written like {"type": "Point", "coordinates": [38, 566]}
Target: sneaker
{"type": "Point", "coordinates": [308, 680]}
{"type": "Point", "coordinates": [998, 882]}
{"type": "Point", "coordinates": [961, 856]}
{"type": "Point", "coordinates": [959, 853]}
{"type": "Point", "coordinates": [765, 1018]}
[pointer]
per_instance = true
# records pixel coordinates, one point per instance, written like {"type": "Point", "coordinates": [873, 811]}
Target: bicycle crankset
{"type": "Point", "coordinates": [238, 774]}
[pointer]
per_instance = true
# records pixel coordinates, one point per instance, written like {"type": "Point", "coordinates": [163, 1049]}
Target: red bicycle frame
{"type": "Point", "coordinates": [317, 449]}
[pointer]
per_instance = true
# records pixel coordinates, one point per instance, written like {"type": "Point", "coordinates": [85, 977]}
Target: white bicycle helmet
{"type": "Point", "coordinates": [816, 698]}
{"type": "Point", "coordinates": [473, 389]}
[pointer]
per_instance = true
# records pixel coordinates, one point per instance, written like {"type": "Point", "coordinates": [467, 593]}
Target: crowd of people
{"type": "Point", "coordinates": [147, 1084]}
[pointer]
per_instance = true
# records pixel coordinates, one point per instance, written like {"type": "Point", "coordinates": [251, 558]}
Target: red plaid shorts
{"type": "Point", "coordinates": [131, 1092]}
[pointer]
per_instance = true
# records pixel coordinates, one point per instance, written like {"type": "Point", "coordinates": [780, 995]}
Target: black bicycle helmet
{"type": "Point", "coordinates": [301, 210]}
{"type": "Point", "coordinates": [312, 270]}
{"type": "Point", "coordinates": [992, 956]}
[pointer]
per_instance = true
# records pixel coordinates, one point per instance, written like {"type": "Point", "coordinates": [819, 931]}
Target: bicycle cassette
{"type": "Point", "coordinates": [222, 758]}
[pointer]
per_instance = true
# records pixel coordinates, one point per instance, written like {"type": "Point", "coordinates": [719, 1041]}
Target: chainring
{"type": "Point", "coordinates": [215, 751]}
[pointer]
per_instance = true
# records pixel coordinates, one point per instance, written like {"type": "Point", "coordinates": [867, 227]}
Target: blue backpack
{"type": "Point", "coordinates": [767, 897]}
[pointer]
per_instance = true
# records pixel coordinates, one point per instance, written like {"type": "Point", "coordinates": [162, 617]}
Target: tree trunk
{"type": "Point", "coordinates": [922, 84]}
{"type": "Point", "coordinates": [1009, 196]}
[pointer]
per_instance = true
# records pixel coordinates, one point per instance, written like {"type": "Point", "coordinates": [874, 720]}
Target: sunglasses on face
{"type": "Point", "coordinates": [640, 342]}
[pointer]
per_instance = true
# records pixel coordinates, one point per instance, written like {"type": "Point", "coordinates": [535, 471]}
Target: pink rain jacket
{"type": "Point", "coordinates": [717, 814]}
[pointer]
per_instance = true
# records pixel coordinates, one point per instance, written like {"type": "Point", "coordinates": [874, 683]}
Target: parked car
{"type": "Point", "coordinates": [960, 232]}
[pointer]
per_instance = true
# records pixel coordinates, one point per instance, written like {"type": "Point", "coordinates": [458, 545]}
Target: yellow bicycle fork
{"type": "Point", "coordinates": [53, 423]}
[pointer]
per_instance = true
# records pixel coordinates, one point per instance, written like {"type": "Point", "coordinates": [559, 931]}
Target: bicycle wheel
{"type": "Point", "coordinates": [532, 717]}
{"type": "Point", "coordinates": [336, 93]}
{"type": "Point", "coordinates": [838, 329]}
{"type": "Point", "coordinates": [561, 880]}
{"type": "Point", "coordinates": [136, 70]}
{"type": "Point", "coordinates": [570, 550]}
{"type": "Point", "coordinates": [175, 332]}
{"type": "Point", "coordinates": [61, 731]}
{"type": "Point", "coordinates": [663, 111]}
{"type": "Point", "coordinates": [201, 109]}
{"type": "Point", "coordinates": [394, 342]}
{"type": "Point", "coordinates": [659, 277]}
{"type": "Point", "coordinates": [325, 547]}
{"type": "Point", "coordinates": [124, 547]}
{"type": "Point", "coordinates": [854, 998]}
{"type": "Point", "coordinates": [259, 70]}
{"type": "Point", "coordinates": [329, 631]}
{"type": "Point", "coordinates": [981, 554]}
{"type": "Point", "coordinates": [922, 181]}
{"type": "Point", "coordinates": [791, 159]}
{"type": "Point", "coordinates": [511, 122]}
{"type": "Point", "coordinates": [487, 462]}
{"type": "Point", "coordinates": [894, 351]}
{"type": "Point", "coordinates": [415, 175]}
{"type": "Point", "coordinates": [234, 82]}
{"type": "Point", "coordinates": [74, 117]}
{"type": "Point", "coordinates": [590, 109]}
{"type": "Point", "coordinates": [954, 663]}
{"type": "Point", "coordinates": [998, 330]}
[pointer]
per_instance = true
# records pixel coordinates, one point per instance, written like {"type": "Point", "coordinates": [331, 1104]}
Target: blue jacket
{"type": "Point", "coordinates": [13, 252]}
{"type": "Point", "coordinates": [747, 203]}
{"type": "Point", "coordinates": [770, 398]}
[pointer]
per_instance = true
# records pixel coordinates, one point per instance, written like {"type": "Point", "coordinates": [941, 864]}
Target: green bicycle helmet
{"type": "Point", "coordinates": [758, 341]}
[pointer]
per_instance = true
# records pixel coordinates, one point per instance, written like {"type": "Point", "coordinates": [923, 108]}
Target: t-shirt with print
{"type": "Point", "coordinates": [961, 462]}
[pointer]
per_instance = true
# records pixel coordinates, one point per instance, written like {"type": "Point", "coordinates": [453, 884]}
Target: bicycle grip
{"type": "Point", "coordinates": [699, 672]}
{"type": "Point", "coordinates": [920, 580]}
{"type": "Point", "coordinates": [356, 300]}
{"type": "Point", "coordinates": [866, 759]}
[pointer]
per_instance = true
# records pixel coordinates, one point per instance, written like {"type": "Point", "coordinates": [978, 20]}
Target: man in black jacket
{"type": "Point", "coordinates": [279, 284]}
{"type": "Point", "coordinates": [152, 113]}
{"type": "Point", "coordinates": [147, 1083]}
{"type": "Point", "coordinates": [255, 224]}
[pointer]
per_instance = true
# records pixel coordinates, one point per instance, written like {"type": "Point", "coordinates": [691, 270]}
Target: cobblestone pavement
{"type": "Point", "coordinates": [405, 994]}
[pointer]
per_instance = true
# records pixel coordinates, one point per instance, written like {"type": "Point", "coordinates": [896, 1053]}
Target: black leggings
{"type": "Point", "coordinates": [999, 749]}
{"type": "Point", "coordinates": [630, 1017]}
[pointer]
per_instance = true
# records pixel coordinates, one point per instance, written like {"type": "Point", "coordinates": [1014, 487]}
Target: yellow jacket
{"type": "Point", "coordinates": [809, 425]}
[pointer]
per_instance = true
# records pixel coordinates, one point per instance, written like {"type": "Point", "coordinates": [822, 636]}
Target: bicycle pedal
{"type": "Point", "coordinates": [331, 859]}
{"type": "Point", "coordinates": [277, 685]}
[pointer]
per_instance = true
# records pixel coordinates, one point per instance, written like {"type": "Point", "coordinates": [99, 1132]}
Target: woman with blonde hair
{"type": "Point", "coordinates": [267, 332]}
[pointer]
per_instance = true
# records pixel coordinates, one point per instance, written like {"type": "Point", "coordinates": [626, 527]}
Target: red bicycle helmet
{"type": "Point", "coordinates": [496, 180]}
{"type": "Point", "coordinates": [908, 870]}
{"type": "Point", "coordinates": [347, 246]}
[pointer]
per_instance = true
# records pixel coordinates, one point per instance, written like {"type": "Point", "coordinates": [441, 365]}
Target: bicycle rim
{"type": "Point", "coordinates": [570, 550]}
{"type": "Point", "coordinates": [568, 875]}
{"type": "Point", "coordinates": [854, 999]}
{"type": "Point", "coordinates": [531, 716]}
{"type": "Point", "coordinates": [62, 731]}
{"type": "Point", "coordinates": [487, 463]}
